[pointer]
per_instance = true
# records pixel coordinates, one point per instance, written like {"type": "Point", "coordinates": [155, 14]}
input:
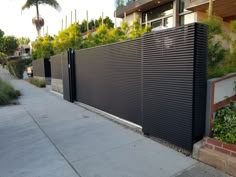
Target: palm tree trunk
{"type": "Point", "coordinates": [210, 9]}
{"type": "Point", "coordinates": [37, 23]}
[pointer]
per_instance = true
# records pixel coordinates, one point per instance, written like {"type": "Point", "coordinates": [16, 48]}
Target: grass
{"type": "Point", "coordinates": [37, 82]}
{"type": "Point", "coordinates": [7, 93]}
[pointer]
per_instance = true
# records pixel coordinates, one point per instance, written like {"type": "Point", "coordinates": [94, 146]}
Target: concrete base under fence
{"type": "Point", "coordinates": [57, 85]}
{"type": "Point", "coordinates": [207, 151]}
{"type": "Point", "coordinates": [113, 118]}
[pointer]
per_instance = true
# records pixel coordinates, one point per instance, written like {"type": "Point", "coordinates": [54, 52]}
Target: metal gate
{"type": "Point", "coordinates": [69, 80]}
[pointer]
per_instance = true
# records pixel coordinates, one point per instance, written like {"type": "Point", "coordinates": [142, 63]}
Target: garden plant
{"type": "Point", "coordinates": [7, 93]}
{"type": "Point", "coordinates": [37, 82]}
{"type": "Point", "coordinates": [224, 127]}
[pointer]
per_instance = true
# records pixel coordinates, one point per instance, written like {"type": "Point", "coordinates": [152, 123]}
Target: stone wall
{"type": "Point", "coordinates": [57, 85]}
{"type": "Point", "coordinates": [219, 146]}
{"type": "Point", "coordinates": [217, 154]}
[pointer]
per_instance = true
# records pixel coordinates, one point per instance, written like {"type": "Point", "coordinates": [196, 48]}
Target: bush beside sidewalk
{"type": "Point", "coordinates": [7, 93]}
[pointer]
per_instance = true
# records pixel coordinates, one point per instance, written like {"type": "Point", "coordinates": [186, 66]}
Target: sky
{"type": "Point", "coordinates": [17, 23]}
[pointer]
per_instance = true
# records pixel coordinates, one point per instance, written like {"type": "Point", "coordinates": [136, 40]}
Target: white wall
{"type": "Point", "coordinates": [224, 89]}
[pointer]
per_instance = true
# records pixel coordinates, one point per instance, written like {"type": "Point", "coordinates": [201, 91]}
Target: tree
{"type": "Point", "coordinates": [106, 21]}
{"type": "Point", "coordinates": [117, 35]}
{"type": "Point", "coordinates": [83, 26]}
{"type": "Point", "coordinates": [42, 47]}
{"type": "Point", "coordinates": [92, 25]}
{"type": "Point", "coordinates": [9, 45]}
{"type": "Point", "coordinates": [102, 35]}
{"type": "Point", "coordinates": [39, 22]}
{"type": "Point", "coordinates": [136, 30]}
{"type": "Point", "coordinates": [68, 38]}
{"type": "Point", "coordinates": [23, 41]}
{"type": "Point", "coordinates": [1, 40]}
{"type": "Point", "coordinates": [216, 51]}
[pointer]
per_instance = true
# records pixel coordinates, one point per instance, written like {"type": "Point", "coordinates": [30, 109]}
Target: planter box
{"type": "Point", "coordinates": [220, 146]}
{"type": "Point", "coordinates": [217, 154]}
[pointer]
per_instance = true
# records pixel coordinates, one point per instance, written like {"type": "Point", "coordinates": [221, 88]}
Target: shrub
{"type": "Point", "coordinates": [225, 124]}
{"type": "Point", "coordinates": [2, 57]}
{"type": "Point", "coordinates": [221, 60]}
{"type": "Point", "coordinates": [7, 93]}
{"type": "Point", "coordinates": [37, 82]}
{"type": "Point", "coordinates": [228, 65]}
{"type": "Point", "coordinates": [16, 67]}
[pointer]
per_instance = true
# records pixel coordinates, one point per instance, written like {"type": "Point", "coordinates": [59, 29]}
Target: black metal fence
{"type": "Point", "coordinates": [157, 81]}
{"type": "Point", "coordinates": [56, 66]}
{"type": "Point", "coordinates": [174, 84]}
{"type": "Point", "coordinates": [109, 78]}
{"type": "Point", "coordinates": [42, 68]}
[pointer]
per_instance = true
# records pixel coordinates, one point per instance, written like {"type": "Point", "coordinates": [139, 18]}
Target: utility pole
{"type": "Point", "coordinates": [102, 18]}
{"type": "Point", "coordinates": [134, 16]}
{"type": "Point", "coordinates": [75, 16]}
{"type": "Point", "coordinates": [87, 22]}
{"type": "Point", "coordinates": [43, 31]}
{"type": "Point", "coordinates": [125, 17]}
{"type": "Point", "coordinates": [115, 20]}
{"type": "Point", "coordinates": [146, 19]}
{"type": "Point", "coordinates": [66, 22]}
{"type": "Point", "coordinates": [71, 17]}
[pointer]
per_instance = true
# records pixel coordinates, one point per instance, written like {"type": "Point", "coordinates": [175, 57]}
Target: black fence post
{"type": "Point", "coordinates": [71, 70]}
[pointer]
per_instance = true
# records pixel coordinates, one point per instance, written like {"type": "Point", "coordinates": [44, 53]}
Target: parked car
{"type": "Point", "coordinates": [30, 71]}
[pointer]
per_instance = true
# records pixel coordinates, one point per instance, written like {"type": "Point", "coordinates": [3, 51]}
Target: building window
{"type": "Point", "coordinates": [187, 18]}
{"type": "Point", "coordinates": [168, 22]}
{"type": "Point", "coordinates": [157, 23]}
{"type": "Point", "coordinates": [158, 12]}
{"type": "Point", "coordinates": [122, 3]}
{"type": "Point", "coordinates": [183, 4]}
{"type": "Point", "coordinates": [159, 16]}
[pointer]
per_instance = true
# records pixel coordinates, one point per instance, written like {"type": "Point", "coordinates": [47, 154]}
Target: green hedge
{"type": "Point", "coordinates": [37, 82]}
{"type": "Point", "coordinates": [16, 67]}
{"type": "Point", "coordinates": [7, 93]}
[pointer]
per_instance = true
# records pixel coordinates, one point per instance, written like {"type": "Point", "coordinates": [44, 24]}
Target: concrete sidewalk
{"type": "Point", "coordinates": [46, 136]}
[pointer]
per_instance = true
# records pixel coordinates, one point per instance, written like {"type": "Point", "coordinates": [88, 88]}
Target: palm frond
{"type": "Point", "coordinates": [28, 4]}
{"type": "Point", "coordinates": [52, 3]}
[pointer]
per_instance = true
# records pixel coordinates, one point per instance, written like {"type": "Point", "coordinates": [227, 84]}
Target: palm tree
{"type": "Point", "coordinates": [38, 21]}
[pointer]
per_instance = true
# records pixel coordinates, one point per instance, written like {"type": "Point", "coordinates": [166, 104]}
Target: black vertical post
{"type": "Point", "coordinates": [71, 71]}
{"type": "Point", "coordinates": [73, 77]}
